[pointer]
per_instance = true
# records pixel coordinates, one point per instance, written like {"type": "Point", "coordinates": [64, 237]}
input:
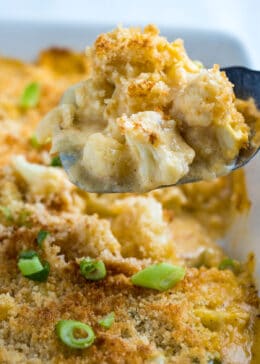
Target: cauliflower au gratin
{"type": "Point", "coordinates": [208, 317]}
{"type": "Point", "coordinates": [145, 117]}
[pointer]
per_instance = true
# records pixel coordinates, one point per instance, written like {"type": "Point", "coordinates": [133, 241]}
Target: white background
{"type": "Point", "coordinates": [238, 17]}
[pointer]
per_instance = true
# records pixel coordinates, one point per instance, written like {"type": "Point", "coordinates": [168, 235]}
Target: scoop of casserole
{"type": "Point", "coordinates": [146, 117]}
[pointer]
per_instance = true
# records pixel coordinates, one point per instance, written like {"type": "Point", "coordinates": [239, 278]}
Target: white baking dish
{"type": "Point", "coordinates": [25, 40]}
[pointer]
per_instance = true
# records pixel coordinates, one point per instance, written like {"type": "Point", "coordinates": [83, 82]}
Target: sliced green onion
{"type": "Point", "coordinates": [34, 142]}
{"type": "Point", "coordinates": [42, 235]}
{"type": "Point", "coordinates": [6, 212]}
{"type": "Point", "coordinates": [31, 267]}
{"type": "Point", "coordinates": [42, 275]}
{"type": "Point", "coordinates": [30, 96]}
{"type": "Point", "coordinates": [230, 264]}
{"type": "Point", "coordinates": [28, 254]}
{"type": "Point", "coordinates": [56, 162]}
{"type": "Point", "coordinates": [66, 330]}
{"type": "Point", "coordinates": [161, 276]}
{"type": "Point", "coordinates": [93, 270]}
{"type": "Point", "coordinates": [107, 321]}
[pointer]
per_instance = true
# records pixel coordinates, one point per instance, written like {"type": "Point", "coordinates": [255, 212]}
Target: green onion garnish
{"type": "Point", "coordinates": [28, 254]}
{"type": "Point", "coordinates": [107, 321]}
{"type": "Point", "coordinates": [6, 212]}
{"type": "Point", "coordinates": [93, 270]}
{"type": "Point", "coordinates": [66, 330]}
{"type": "Point", "coordinates": [34, 142]}
{"type": "Point", "coordinates": [161, 276]}
{"type": "Point", "coordinates": [56, 162]}
{"type": "Point", "coordinates": [31, 267]}
{"type": "Point", "coordinates": [230, 264]}
{"type": "Point", "coordinates": [42, 235]}
{"type": "Point", "coordinates": [42, 275]}
{"type": "Point", "coordinates": [30, 96]}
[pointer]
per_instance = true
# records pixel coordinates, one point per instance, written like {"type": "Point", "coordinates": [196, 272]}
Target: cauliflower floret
{"type": "Point", "coordinates": [160, 154]}
{"type": "Point", "coordinates": [103, 160]}
{"type": "Point", "coordinates": [144, 147]}
{"type": "Point", "coordinates": [41, 180]}
{"type": "Point", "coordinates": [142, 230]}
{"type": "Point", "coordinates": [207, 101]}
